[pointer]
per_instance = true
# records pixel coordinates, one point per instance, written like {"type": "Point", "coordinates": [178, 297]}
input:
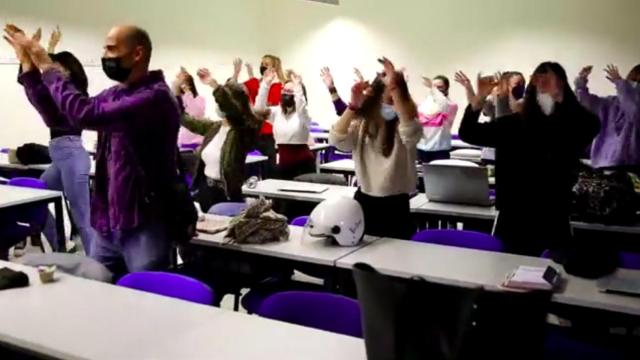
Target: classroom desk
{"type": "Point", "coordinates": [99, 321]}
{"type": "Point", "coordinates": [297, 248]}
{"type": "Point", "coordinates": [466, 267]}
{"type": "Point", "coordinates": [455, 210]}
{"type": "Point", "coordinates": [12, 197]}
{"type": "Point", "coordinates": [270, 188]}
{"type": "Point", "coordinates": [459, 144]}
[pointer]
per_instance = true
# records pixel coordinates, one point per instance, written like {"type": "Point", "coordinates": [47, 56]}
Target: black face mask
{"type": "Point", "coordinates": [263, 69]}
{"type": "Point", "coordinates": [114, 70]}
{"type": "Point", "coordinates": [518, 91]}
{"type": "Point", "coordinates": [287, 101]}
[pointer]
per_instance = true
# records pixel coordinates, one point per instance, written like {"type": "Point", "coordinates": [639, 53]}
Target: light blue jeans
{"type": "Point", "coordinates": [69, 173]}
{"type": "Point", "coordinates": [145, 248]}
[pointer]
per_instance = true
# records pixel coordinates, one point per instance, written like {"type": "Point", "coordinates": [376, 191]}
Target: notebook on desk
{"type": "Point", "coordinates": [620, 284]}
{"type": "Point", "coordinates": [454, 184]}
{"type": "Point", "coordinates": [307, 188]}
{"type": "Point", "coordinates": [211, 224]}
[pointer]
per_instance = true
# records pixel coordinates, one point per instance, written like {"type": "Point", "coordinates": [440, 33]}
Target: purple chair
{"type": "Point", "coordinates": [300, 221]}
{"type": "Point", "coordinates": [189, 147]}
{"type": "Point", "coordinates": [168, 284]}
{"type": "Point", "coordinates": [628, 260]}
{"type": "Point", "coordinates": [255, 153]}
{"type": "Point", "coordinates": [227, 209]}
{"type": "Point", "coordinates": [460, 238]}
{"type": "Point", "coordinates": [324, 311]}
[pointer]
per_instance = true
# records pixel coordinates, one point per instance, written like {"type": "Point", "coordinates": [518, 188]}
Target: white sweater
{"type": "Point", "coordinates": [287, 129]}
{"type": "Point", "coordinates": [379, 175]}
{"type": "Point", "coordinates": [437, 114]}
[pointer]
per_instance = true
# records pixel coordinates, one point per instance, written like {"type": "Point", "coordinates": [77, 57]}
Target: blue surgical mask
{"type": "Point", "coordinates": [387, 112]}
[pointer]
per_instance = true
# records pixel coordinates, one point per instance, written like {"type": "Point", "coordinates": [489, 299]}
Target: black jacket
{"type": "Point", "coordinates": [537, 156]}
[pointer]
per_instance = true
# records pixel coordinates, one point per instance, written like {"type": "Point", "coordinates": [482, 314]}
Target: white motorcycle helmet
{"type": "Point", "coordinates": [340, 219]}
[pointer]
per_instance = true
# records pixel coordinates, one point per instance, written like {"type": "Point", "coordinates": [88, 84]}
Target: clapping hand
{"type": "Point", "coordinates": [20, 42]}
{"type": "Point", "coordinates": [391, 76]}
{"type": "Point", "coordinates": [327, 78]}
{"type": "Point", "coordinates": [427, 82]}
{"type": "Point", "coordinates": [249, 70]}
{"type": "Point", "coordinates": [613, 74]}
{"type": "Point", "coordinates": [295, 78]}
{"type": "Point", "coordinates": [359, 76]}
{"type": "Point", "coordinates": [206, 78]}
{"type": "Point", "coordinates": [585, 72]}
{"type": "Point", "coordinates": [54, 40]}
{"type": "Point", "coordinates": [359, 93]}
{"type": "Point", "coordinates": [237, 66]}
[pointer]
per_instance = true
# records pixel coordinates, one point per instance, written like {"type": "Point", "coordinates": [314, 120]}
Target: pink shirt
{"type": "Point", "coordinates": [194, 106]}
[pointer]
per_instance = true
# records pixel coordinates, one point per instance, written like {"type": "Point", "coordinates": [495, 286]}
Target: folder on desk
{"type": "Point", "coordinates": [212, 224]}
{"type": "Point", "coordinates": [304, 188]}
{"type": "Point", "coordinates": [533, 278]}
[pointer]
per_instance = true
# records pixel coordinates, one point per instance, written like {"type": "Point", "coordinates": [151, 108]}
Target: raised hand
{"type": "Point", "coordinates": [462, 79]}
{"type": "Point", "coordinates": [359, 93]}
{"type": "Point", "coordinates": [20, 42]}
{"type": "Point", "coordinates": [327, 78]}
{"type": "Point", "coordinates": [237, 66]}
{"type": "Point", "coordinates": [54, 40]}
{"type": "Point", "coordinates": [391, 76]}
{"type": "Point", "coordinates": [427, 82]}
{"type": "Point", "coordinates": [249, 70]}
{"type": "Point", "coordinates": [206, 78]}
{"type": "Point", "coordinates": [295, 78]}
{"type": "Point", "coordinates": [613, 74]}
{"type": "Point", "coordinates": [37, 36]}
{"type": "Point", "coordinates": [502, 84]}
{"type": "Point", "coordinates": [585, 72]}
{"type": "Point", "coordinates": [359, 76]}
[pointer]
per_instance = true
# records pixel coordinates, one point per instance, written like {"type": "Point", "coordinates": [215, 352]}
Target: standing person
{"type": "Point", "coordinates": [381, 129]}
{"type": "Point", "coordinates": [70, 161]}
{"type": "Point", "coordinates": [137, 123]}
{"type": "Point", "coordinates": [437, 114]}
{"type": "Point", "coordinates": [617, 146]}
{"type": "Point", "coordinates": [291, 125]}
{"type": "Point", "coordinates": [222, 155]}
{"type": "Point", "coordinates": [550, 132]}
{"type": "Point", "coordinates": [266, 142]}
{"type": "Point", "coordinates": [194, 105]}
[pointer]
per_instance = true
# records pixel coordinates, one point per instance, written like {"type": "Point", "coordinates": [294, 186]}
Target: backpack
{"type": "Point", "coordinates": [604, 198]}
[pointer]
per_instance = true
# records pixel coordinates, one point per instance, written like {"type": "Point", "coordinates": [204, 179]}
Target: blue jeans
{"type": "Point", "coordinates": [146, 248]}
{"type": "Point", "coordinates": [69, 172]}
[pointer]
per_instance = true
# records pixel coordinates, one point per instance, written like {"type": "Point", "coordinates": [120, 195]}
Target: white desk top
{"type": "Point", "coordinates": [465, 267]}
{"type": "Point", "coordinates": [297, 248]}
{"type": "Point", "coordinates": [14, 195]}
{"type": "Point", "coordinates": [459, 144]}
{"type": "Point", "coordinates": [343, 165]}
{"type": "Point", "coordinates": [254, 159]}
{"type": "Point", "coordinates": [270, 188]}
{"type": "Point", "coordinates": [319, 147]}
{"type": "Point", "coordinates": [75, 318]}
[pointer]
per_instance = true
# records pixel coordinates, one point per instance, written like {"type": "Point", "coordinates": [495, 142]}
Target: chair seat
{"type": "Point", "coordinates": [228, 209]}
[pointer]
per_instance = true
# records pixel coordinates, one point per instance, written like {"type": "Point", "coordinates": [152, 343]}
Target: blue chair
{"type": "Point", "coordinates": [228, 209]}
{"type": "Point", "coordinates": [460, 238]}
{"type": "Point", "coordinates": [171, 285]}
{"type": "Point", "coordinates": [300, 221]}
{"type": "Point", "coordinates": [323, 311]}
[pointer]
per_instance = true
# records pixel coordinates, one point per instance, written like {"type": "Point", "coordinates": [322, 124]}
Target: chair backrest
{"type": "Point", "coordinates": [328, 179]}
{"type": "Point", "coordinates": [419, 319]}
{"type": "Point", "coordinates": [300, 221]}
{"type": "Point", "coordinates": [454, 162]}
{"type": "Point", "coordinates": [255, 153]}
{"type": "Point", "coordinates": [460, 238]}
{"type": "Point", "coordinates": [171, 285]}
{"type": "Point", "coordinates": [34, 215]}
{"type": "Point", "coordinates": [228, 208]}
{"type": "Point", "coordinates": [324, 311]}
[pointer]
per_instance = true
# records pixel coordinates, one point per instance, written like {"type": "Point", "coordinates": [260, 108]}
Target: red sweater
{"type": "Point", "coordinates": [253, 85]}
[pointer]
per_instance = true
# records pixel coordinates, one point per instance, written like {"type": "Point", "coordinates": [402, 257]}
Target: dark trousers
{"type": "Point", "coordinates": [209, 193]}
{"type": "Point", "coordinates": [387, 216]}
{"type": "Point", "coordinates": [426, 157]}
{"type": "Point", "coordinates": [532, 232]}
{"type": "Point", "coordinates": [267, 146]}
{"type": "Point", "coordinates": [292, 171]}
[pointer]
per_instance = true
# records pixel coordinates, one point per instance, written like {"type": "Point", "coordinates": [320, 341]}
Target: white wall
{"type": "Point", "coordinates": [427, 36]}
{"type": "Point", "coordinates": [192, 33]}
{"type": "Point", "coordinates": [439, 37]}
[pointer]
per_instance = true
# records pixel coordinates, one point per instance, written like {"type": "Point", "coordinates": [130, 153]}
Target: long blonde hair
{"type": "Point", "coordinates": [277, 64]}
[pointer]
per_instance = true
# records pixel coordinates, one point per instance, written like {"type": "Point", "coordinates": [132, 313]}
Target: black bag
{"type": "Point", "coordinates": [33, 154]}
{"type": "Point", "coordinates": [180, 213]}
{"type": "Point", "coordinates": [417, 319]}
{"type": "Point", "coordinates": [604, 198]}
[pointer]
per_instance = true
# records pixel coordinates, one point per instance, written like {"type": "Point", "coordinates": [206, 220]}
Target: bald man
{"type": "Point", "coordinates": [137, 122]}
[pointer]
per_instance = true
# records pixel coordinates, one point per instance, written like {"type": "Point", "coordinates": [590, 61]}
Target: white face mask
{"type": "Point", "coordinates": [547, 104]}
{"type": "Point", "coordinates": [387, 112]}
{"type": "Point", "coordinates": [635, 84]}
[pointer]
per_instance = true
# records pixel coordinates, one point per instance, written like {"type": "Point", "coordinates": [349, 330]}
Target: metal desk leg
{"type": "Point", "coordinates": [59, 214]}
